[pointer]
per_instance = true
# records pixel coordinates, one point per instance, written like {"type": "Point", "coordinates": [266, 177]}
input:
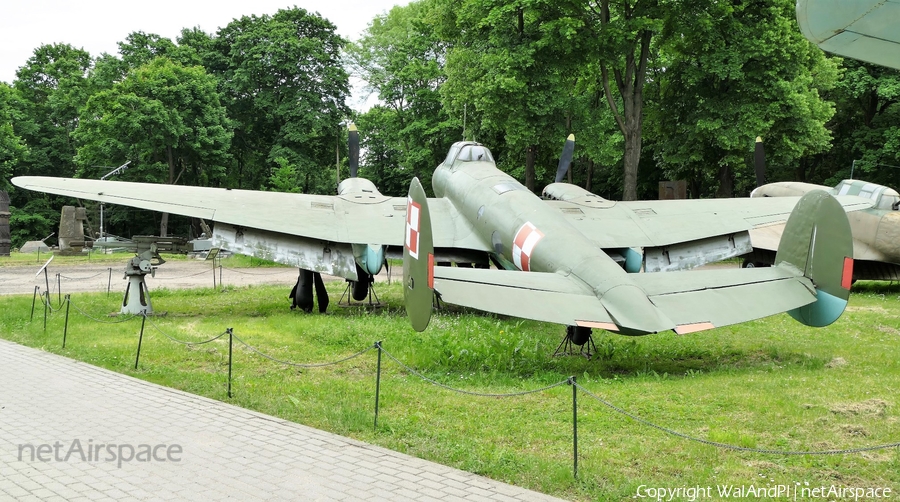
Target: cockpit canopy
{"type": "Point", "coordinates": [884, 197]}
{"type": "Point", "coordinates": [468, 151]}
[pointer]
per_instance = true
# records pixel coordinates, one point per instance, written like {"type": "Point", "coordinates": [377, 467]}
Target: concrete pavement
{"type": "Point", "coordinates": [70, 431]}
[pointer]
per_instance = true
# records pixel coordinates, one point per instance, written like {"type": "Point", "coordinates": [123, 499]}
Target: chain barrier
{"type": "Point", "coordinates": [567, 381]}
{"type": "Point", "coordinates": [730, 446]}
{"type": "Point", "coordinates": [163, 333]}
{"type": "Point", "coordinates": [299, 365]}
{"type": "Point", "coordinates": [239, 271]}
{"type": "Point", "coordinates": [85, 314]}
{"type": "Point", "coordinates": [180, 277]}
{"type": "Point", "coordinates": [82, 278]}
{"type": "Point", "coordinates": [468, 392]}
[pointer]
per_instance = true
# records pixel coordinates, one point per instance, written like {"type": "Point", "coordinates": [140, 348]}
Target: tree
{"type": "Point", "coordinates": [738, 70]}
{"type": "Point", "coordinates": [511, 64]}
{"type": "Point", "coordinates": [166, 118]}
{"type": "Point", "coordinates": [401, 57]}
{"type": "Point", "coordinates": [285, 89]}
{"type": "Point", "coordinates": [865, 126]}
{"type": "Point", "coordinates": [624, 31]}
{"type": "Point", "coordinates": [12, 148]}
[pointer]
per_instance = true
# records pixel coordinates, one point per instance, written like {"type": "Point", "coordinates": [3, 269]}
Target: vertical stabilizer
{"type": "Point", "coordinates": [418, 258]}
{"type": "Point", "coordinates": [817, 243]}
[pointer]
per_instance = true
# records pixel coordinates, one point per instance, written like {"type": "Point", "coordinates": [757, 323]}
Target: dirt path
{"type": "Point", "coordinates": [173, 275]}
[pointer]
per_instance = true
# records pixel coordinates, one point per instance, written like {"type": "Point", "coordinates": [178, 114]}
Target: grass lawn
{"type": "Point", "coordinates": [771, 384]}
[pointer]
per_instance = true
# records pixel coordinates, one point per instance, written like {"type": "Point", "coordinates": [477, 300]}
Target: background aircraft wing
{"type": "Point", "coordinates": [354, 218]}
{"type": "Point", "coordinates": [658, 223]}
{"type": "Point", "coordinates": [859, 29]}
{"type": "Point", "coordinates": [694, 301]}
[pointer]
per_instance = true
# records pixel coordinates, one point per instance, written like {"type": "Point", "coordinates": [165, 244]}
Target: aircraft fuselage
{"type": "Point", "coordinates": [525, 231]}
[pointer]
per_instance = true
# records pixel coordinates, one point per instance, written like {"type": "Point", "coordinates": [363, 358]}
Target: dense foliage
{"type": "Point", "coordinates": [653, 90]}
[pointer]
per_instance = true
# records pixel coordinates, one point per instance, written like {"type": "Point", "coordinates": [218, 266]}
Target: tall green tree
{"type": "Point", "coordinates": [285, 88]}
{"type": "Point", "coordinates": [12, 148]}
{"type": "Point", "coordinates": [735, 71]}
{"type": "Point", "coordinates": [866, 127]}
{"type": "Point", "coordinates": [401, 59]}
{"type": "Point", "coordinates": [165, 118]}
{"type": "Point", "coordinates": [52, 86]}
{"type": "Point", "coordinates": [624, 32]}
{"type": "Point", "coordinates": [511, 63]}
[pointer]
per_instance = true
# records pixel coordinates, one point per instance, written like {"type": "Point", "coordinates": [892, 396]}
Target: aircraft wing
{"type": "Point", "coordinates": [659, 223]}
{"type": "Point", "coordinates": [352, 219]}
{"type": "Point", "coordinates": [693, 301]}
{"type": "Point", "coordinates": [860, 29]}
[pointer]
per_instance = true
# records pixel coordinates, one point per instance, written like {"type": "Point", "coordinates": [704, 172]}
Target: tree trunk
{"type": "Point", "coordinates": [529, 167]}
{"type": "Point", "coordinates": [590, 176]}
{"type": "Point", "coordinates": [632, 160]}
{"type": "Point", "coordinates": [726, 182]}
{"type": "Point", "coordinates": [164, 219]}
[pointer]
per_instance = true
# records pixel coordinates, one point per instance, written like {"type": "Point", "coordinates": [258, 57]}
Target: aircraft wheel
{"type": "Point", "coordinates": [753, 264]}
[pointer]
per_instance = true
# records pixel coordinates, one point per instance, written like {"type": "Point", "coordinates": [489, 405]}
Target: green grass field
{"type": "Point", "coordinates": [772, 384]}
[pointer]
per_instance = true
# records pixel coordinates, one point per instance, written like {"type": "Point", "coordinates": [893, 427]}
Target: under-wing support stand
{"type": "Point", "coordinates": [302, 293]}
{"type": "Point", "coordinates": [360, 289]}
{"type": "Point", "coordinates": [577, 336]}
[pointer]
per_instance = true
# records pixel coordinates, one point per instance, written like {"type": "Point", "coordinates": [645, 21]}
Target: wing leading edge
{"type": "Point", "coordinates": [353, 219]}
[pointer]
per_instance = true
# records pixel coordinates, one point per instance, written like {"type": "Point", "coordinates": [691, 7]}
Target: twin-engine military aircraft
{"type": "Point", "coordinates": [565, 259]}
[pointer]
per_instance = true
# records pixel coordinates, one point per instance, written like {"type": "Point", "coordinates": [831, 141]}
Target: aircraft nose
{"type": "Point", "coordinates": [633, 312]}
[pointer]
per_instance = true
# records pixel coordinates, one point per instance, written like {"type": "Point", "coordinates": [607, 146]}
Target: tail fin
{"type": "Point", "coordinates": [418, 258]}
{"type": "Point", "coordinates": [817, 243]}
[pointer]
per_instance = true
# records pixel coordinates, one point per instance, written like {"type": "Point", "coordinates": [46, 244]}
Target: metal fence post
{"type": "Point", "coordinates": [46, 298]}
{"type": "Point", "coordinates": [34, 300]}
{"type": "Point", "coordinates": [574, 424]}
{"type": "Point", "coordinates": [377, 383]}
{"type": "Point", "coordinates": [230, 344]}
{"type": "Point", "coordinates": [109, 282]}
{"type": "Point", "coordinates": [140, 340]}
{"type": "Point", "coordinates": [58, 289]}
{"type": "Point", "coordinates": [66, 326]}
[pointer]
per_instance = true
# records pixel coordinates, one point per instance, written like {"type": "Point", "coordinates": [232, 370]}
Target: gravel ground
{"type": "Point", "coordinates": [173, 274]}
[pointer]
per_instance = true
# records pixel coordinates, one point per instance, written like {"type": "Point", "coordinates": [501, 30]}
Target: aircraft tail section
{"type": "Point", "coordinates": [418, 258]}
{"type": "Point", "coordinates": [817, 244]}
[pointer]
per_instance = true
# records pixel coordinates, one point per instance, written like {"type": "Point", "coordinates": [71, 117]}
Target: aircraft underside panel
{"type": "Point", "coordinates": [310, 254]}
{"type": "Point", "coordinates": [693, 254]}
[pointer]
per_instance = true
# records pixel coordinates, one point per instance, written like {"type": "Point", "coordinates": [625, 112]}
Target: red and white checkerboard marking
{"type": "Point", "coordinates": [413, 214]}
{"type": "Point", "coordinates": [523, 245]}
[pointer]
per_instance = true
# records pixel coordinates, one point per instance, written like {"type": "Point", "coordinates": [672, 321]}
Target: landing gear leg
{"type": "Point", "coordinates": [577, 336]}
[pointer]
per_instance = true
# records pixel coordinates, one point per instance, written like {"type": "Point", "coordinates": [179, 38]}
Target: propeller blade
{"type": "Point", "coordinates": [565, 159]}
{"type": "Point", "coordinates": [759, 162]}
{"type": "Point", "coordinates": [354, 150]}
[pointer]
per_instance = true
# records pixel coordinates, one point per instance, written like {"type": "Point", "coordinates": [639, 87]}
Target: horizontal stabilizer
{"type": "Point", "coordinates": [532, 295]}
{"type": "Point", "coordinates": [705, 299]}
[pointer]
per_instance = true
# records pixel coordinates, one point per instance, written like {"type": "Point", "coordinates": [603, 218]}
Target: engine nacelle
{"type": "Point", "coordinates": [565, 191]}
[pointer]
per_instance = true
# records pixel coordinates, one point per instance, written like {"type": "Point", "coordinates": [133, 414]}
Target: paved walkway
{"type": "Point", "coordinates": [177, 446]}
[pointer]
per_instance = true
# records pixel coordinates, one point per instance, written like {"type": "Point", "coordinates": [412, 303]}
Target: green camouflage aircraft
{"type": "Point", "coordinates": [565, 259]}
{"type": "Point", "coordinates": [866, 30]}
